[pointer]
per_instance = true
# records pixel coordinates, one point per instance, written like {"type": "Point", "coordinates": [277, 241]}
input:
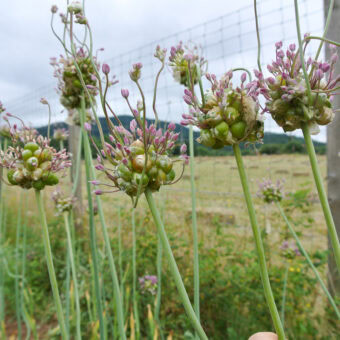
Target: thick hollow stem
{"type": "Point", "coordinates": [113, 271]}
{"type": "Point", "coordinates": [74, 275]}
{"type": "Point", "coordinates": [194, 225]}
{"type": "Point", "coordinates": [50, 266]}
{"type": "Point", "coordinates": [134, 275]}
{"type": "Point", "coordinates": [322, 195]}
{"type": "Point", "coordinates": [93, 243]}
{"type": "Point", "coordinates": [173, 267]}
{"type": "Point", "coordinates": [309, 261]}
{"type": "Point", "coordinates": [284, 294]}
{"type": "Point", "coordinates": [259, 245]}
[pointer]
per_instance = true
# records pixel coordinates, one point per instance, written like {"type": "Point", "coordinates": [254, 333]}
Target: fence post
{"type": "Point", "coordinates": [333, 153]}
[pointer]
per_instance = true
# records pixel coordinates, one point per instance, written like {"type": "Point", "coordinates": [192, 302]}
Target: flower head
{"type": "Point", "coordinates": [181, 56]}
{"type": "Point", "coordinates": [148, 284]}
{"type": "Point", "coordinates": [286, 93]}
{"type": "Point", "coordinates": [229, 115]}
{"type": "Point", "coordinates": [271, 192]}
{"type": "Point", "coordinates": [60, 134]}
{"type": "Point", "coordinates": [289, 250]}
{"type": "Point", "coordinates": [62, 202]}
{"type": "Point", "coordinates": [31, 161]}
{"type": "Point", "coordinates": [69, 84]}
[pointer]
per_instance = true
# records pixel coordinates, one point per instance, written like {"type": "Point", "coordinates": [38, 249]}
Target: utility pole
{"type": "Point", "coordinates": [333, 152]}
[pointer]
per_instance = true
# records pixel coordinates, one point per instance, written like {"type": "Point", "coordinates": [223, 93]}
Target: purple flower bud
{"type": "Point", "coordinates": [125, 161]}
{"type": "Point", "coordinates": [243, 77]}
{"type": "Point", "coordinates": [171, 145]}
{"type": "Point", "coordinates": [318, 74]}
{"type": "Point", "coordinates": [306, 35]}
{"type": "Point", "coordinates": [292, 47]}
{"type": "Point", "coordinates": [183, 148]}
{"type": "Point", "coordinates": [280, 54]}
{"type": "Point", "coordinates": [278, 45]}
{"type": "Point", "coordinates": [184, 122]}
{"type": "Point", "coordinates": [171, 126]}
{"type": "Point", "coordinates": [106, 68]}
{"type": "Point", "coordinates": [175, 137]}
{"type": "Point", "coordinates": [334, 58]}
{"type": "Point", "coordinates": [87, 126]}
{"type": "Point", "coordinates": [188, 100]}
{"type": "Point", "coordinates": [94, 182]}
{"type": "Point", "coordinates": [43, 101]}
{"type": "Point", "coordinates": [125, 93]}
{"type": "Point", "coordinates": [54, 9]}
{"type": "Point", "coordinates": [271, 80]}
{"type": "Point", "coordinates": [325, 67]}
{"type": "Point", "coordinates": [98, 192]}
{"type": "Point", "coordinates": [100, 167]}
{"type": "Point", "coordinates": [133, 125]}
{"type": "Point", "coordinates": [126, 140]}
{"type": "Point", "coordinates": [188, 93]}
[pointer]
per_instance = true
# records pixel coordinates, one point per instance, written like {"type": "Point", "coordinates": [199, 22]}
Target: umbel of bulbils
{"type": "Point", "coordinates": [31, 161]}
{"type": "Point", "coordinates": [185, 61]}
{"type": "Point", "coordinates": [140, 156]}
{"type": "Point", "coordinates": [228, 115]}
{"type": "Point", "coordinates": [286, 92]}
{"type": "Point", "coordinates": [69, 85]}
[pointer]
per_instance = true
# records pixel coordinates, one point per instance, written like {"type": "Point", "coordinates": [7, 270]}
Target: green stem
{"type": "Point", "coordinates": [332, 42]}
{"type": "Point", "coordinates": [259, 245]}
{"type": "Point", "coordinates": [302, 57]}
{"type": "Point", "coordinates": [120, 255]}
{"type": "Point", "coordinates": [309, 261]}
{"type": "Point", "coordinates": [134, 276]}
{"type": "Point", "coordinates": [322, 195]}
{"type": "Point", "coordinates": [114, 277]}
{"type": "Point", "coordinates": [194, 225]}
{"type": "Point", "coordinates": [173, 267]}
{"type": "Point", "coordinates": [74, 275]}
{"type": "Point", "coordinates": [50, 266]}
{"type": "Point", "coordinates": [284, 294]}
{"type": "Point", "coordinates": [159, 285]}
{"type": "Point", "coordinates": [17, 279]}
{"type": "Point", "coordinates": [78, 163]}
{"type": "Point", "coordinates": [258, 38]}
{"type": "Point", "coordinates": [93, 243]}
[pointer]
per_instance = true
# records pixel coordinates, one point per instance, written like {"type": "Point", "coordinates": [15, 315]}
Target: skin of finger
{"type": "Point", "coordinates": [264, 336]}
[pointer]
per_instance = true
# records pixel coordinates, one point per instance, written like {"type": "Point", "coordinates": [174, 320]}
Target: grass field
{"type": "Point", "coordinates": [224, 231]}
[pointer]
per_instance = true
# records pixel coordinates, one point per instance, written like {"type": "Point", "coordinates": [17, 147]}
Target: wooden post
{"type": "Point", "coordinates": [333, 152]}
{"type": "Point", "coordinates": [73, 144]}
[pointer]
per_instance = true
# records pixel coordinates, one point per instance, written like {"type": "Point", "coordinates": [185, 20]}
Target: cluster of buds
{"type": "Point", "coordinates": [228, 116]}
{"type": "Point", "coordinates": [286, 92]}
{"type": "Point", "coordinates": [69, 84]}
{"type": "Point", "coordinates": [31, 161]}
{"type": "Point", "coordinates": [289, 250]}
{"type": "Point", "coordinates": [140, 155]}
{"type": "Point", "coordinates": [270, 192]}
{"type": "Point", "coordinates": [60, 135]}
{"type": "Point", "coordinates": [184, 59]}
{"type": "Point", "coordinates": [62, 203]}
{"type": "Point", "coordinates": [148, 284]}
{"type": "Point", "coordinates": [138, 166]}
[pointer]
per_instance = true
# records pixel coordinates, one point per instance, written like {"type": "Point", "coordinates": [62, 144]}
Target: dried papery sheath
{"type": "Point", "coordinates": [69, 84]}
{"type": "Point", "coordinates": [181, 56]}
{"type": "Point", "coordinates": [31, 161]}
{"type": "Point", "coordinates": [230, 115]}
{"type": "Point", "coordinates": [286, 92]}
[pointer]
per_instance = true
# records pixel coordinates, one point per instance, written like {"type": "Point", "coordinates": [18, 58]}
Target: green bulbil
{"type": "Point", "coordinates": [141, 179]}
{"type": "Point", "coordinates": [50, 179]}
{"type": "Point", "coordinates": [165, 163]}
{"type": "Point", "coordinates": [206, 138]}
{"type": "Point", "coordinates": [231, 115]}
{"type": "Point", "coordinates": [10, 178]}
{"type": "Point", "coordinates": [26, 154]}
{"type": "Point", "coordinates": [221, 130]}
{"type": "Point", "coordinates": [38, 185]}
{"type": "Point", "coordinates": [171, 176]}
{"type": "Point", "coordinates": [238, 129]}
{"type": "Point", "coordinates": [32, 163]}
{"type": "Point", "coordinates": [31, 146]}
{"type": "Point", "coordinates": [124, 172]}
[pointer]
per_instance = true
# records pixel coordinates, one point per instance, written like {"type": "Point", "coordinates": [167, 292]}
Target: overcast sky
{"type": "Point", "coordinates": [124, 25]}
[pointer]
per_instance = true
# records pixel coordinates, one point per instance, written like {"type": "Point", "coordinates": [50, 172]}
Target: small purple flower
{"type": "Point", "coordinates": [106, 68]}
{"type": "Point", "coordinates": [87, 126]}
{"type": "Point", "coordinates": [183, 148]}
{"type": "Point", "coordinates": [125, 93]}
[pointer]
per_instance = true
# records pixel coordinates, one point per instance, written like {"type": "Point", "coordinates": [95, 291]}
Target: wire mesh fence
{"type": "Point", "coordinates": [228, 41]}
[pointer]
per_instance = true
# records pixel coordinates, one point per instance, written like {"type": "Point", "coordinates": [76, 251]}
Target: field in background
{"type": "Point", "coordinates": [222, 219]}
